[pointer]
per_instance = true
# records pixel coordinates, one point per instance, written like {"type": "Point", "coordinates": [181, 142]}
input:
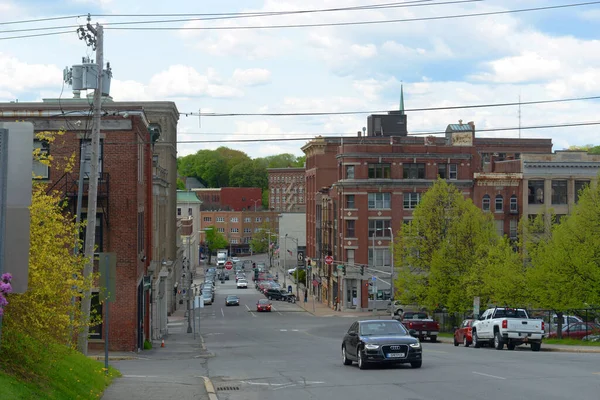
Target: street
{"type": "Point", "coordinates": [292, 354]}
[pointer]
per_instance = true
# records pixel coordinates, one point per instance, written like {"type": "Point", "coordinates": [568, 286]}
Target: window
{"type": "Point", "coordinates": [221, 230]}
{"type": "Point", "coordinates": [234, 219]}
{"type": "Point", "coordinates": [267, 219]}
{"type": "Point", "coordinates": [499, 204]}
{"type": "Point", "coordinates": [141, 162]}
{"type": "Point", "coordinates": [247, 230]}
{"type": "Point", "coordinates": [514, 205]}
{"type": "Point", "coordinates": [247, 239]}
{"type": "Point", "coordinates": [234, 241]}
{"type": "Point", "coordinates": [277, 199]}
{"type": "Point", "coordinates": [535, 192]}
{"type": "Point", "coordinates": [411, 200]}
{"type": "Point", "coordinates": [86, 151]}
{"type": "Point", "coordinates": [379, 200]}
{"type": "Point", "coordinates": [500, 227]}
{"type": "Point", "coordinates": [190, 212]}
{"type": "Point", "coordinates": [379, 171]}
{"type": "Point", "coordinates": [256, 230]}
{"type": "Point", "coordinates": [559, 192]}
{"type": "Point", "coordinates": [96, 331]}
{"type": "Point", "coordinates": [247, 219]}
{"type": "Point", "coordinates": [349, 171]}
{"type": "Point", "coordinates": [350, 201]}
{"type": "Point", "coordinates": [99, 233]}
{"type": "Point", "coordinates": [485, 204]}
{"type": "Point", "coordinates": [514, 224]}
{"type": "Point", "coordinates": [382, 257]}
{"type": "Point", "coordinates": [272, 200]}
{"type": "Point", "coordinates": [453, 171]}
{"type": "Point", "coordinates": [40, 170]}
{"type": "Point", "coordinates": [579, 186]}
{"type": "Point", "coordinates": [178, 212]}
{"type": "Point", "coordinates": [442, 171]}
{"type": "Point", "coordinates": [379, 228]}
{"type": "Point", "coordinates": [207, 219]}
{"type": "Point", "coordinates": [350, 224]}
{"type": "Point", "coordinates": [413, 171]}
{"type": "Point", "coordinates": [141, 232]}
{"type": "Point", "coordinates": [234, 230]}
{"type": "Point", "coordinates": [258, 219]}
{"type": "Point", "coordinates": [220, 219]}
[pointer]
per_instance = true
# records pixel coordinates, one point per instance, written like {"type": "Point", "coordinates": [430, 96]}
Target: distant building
{"type": "Point", "coordinates": [230, 198]}
{"type": "Point", "coordinates": [286, 189]}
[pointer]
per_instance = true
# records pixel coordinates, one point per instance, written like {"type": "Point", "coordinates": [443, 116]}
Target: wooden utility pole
{"type": "Point", "coordinates": [90, 230]}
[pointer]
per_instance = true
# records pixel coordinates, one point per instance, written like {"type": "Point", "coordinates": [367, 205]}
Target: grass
{"type": "Point", "coordinates": [54, 372]}
{"type": "Point", "coordinates": [571, 342]}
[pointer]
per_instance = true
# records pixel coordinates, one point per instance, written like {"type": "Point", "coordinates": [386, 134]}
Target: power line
{"type": "Point", "coordinates": [345, 135]}
{"type": "Point", "coordinates": [28, 21]}
{"type": "Point", "coordinates": [375, 22]}
{"type": "Point", "coordinates": [489, 105]}
{"type": "Point", "coordinates": [35, 35]}
{"type": "Point", "coordinates": [257, 14]}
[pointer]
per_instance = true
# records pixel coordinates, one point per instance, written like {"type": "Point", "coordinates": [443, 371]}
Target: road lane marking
{"type": "Point", "coordinates": [488, 375]}
{"type": "Point", "coordinates": [277, 310]}
{"type": "Point", "coordinates": [247, 307]}
{"type": "Point", "coordinates": [286, 386]}
{"type": "Point", "coordinates": [283, 330]}
{"type": "Point", "coordinates": [222, 313]}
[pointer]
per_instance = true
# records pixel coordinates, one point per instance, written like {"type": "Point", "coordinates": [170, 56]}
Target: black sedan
{"type": "Point", "coordinates": [380, 341]}
{"type": "Point", "coordinates": [232, 300]}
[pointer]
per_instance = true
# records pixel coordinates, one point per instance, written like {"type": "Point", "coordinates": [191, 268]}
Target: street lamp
{"type": "Point", "coordinates": [285, 259]}
{"type": "Point", "coordinates": [255, 201]}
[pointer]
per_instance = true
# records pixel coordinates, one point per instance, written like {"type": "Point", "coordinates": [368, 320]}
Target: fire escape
{"type": "Point", "coordinates": [291, 199]}
{"type": "Point", "coordinates": [67, 188]}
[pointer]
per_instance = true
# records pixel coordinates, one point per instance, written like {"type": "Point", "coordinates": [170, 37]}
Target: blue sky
{"type": "Point", "coordinates": [542, 55]}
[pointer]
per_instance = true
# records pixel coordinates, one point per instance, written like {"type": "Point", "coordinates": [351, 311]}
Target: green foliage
{"type": "Point", "coordinates": [565, 269]}
{"type": "Point", "coordinates": [227, 167]}
{"type": "Point", "coordinates": [214, 240]}
{"type": "Point", "coordinates": [147, 345]}
{"type": "Point", "coordinates": [260, 240]}
{"type": "Point", "coordinates": [180, 184]}
{"type": "Point", "coordinates": [265, 198]}
{"type": "Point", "coordinates": [590, 148]}
{"type": "Point", "coordinates": [299, 276]}
{"type": "Point", "coordinates": [51, 371]}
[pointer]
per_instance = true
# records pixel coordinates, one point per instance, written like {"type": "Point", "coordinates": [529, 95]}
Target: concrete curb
{"type": "Point", "coordinates": [113, 358]}
{"type": "Point", "coordinates": [210, 388]}
{"type": "Point", "coordinates": [591, 349]}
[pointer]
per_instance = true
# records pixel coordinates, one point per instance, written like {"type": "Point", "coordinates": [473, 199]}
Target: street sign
{"type": "Point", "coordinates": [315, 283]}
{"type": "Point", "coordinates": [228, 265]}
{"type": "Point", "coordinates": [341, 266]}
{"type": "Point", "coordinates": [374, 278]}
{"type": "Point", "coordinates": [328, 260]}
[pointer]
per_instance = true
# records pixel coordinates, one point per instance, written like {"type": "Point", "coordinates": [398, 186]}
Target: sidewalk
{"type": "Point", "coordinates": [317, 308]}
{"type": "Point", "coordinates": [177, 370]}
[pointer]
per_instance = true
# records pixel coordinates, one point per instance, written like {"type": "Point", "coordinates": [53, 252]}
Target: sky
{"type": "Point", "coordinates": [506, 57]}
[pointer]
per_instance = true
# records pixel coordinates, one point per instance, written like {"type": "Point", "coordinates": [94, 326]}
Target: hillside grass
{"type": "Point", "coordinates": [51, 371]}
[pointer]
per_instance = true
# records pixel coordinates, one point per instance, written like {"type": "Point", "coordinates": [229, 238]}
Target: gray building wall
{"type": "Point", "coordinates": [294, 225]}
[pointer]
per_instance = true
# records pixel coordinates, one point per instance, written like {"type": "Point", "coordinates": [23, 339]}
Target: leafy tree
{"type": "Point", "coordinates": [261, 239]}
{"type": "Point", "coordinates": [265, 198]}
{"type": "Point", "coordinates": [248, 173]}
{"type": "Point", "coordinates": [214, 240]}
{"type": "Point", "coordinates": [180, 184]}
{"type": "Point", "coordinates": [590, 148]}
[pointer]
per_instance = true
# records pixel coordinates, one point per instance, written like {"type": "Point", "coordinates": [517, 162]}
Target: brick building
{"type": "Point", "coordinates": [363, 188]}
{"type": "Point", "coordinates": [230, 198]}
{"type": "Point", "coordinates": [238, 227]}
{"type": "Point", "coordinates": [124, 216]}
{"type": "Point", "coordinates": [286, 189]}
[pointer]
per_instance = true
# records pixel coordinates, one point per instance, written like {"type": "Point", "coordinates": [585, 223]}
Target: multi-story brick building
{"type": "Point", "coordinates": [230, 198]}
{"type": "Point", "coordinates": [286, 189]}
{"type": "Point", "coordinates": [238, 227]}
{"type": "Point", "coordinates": [125, 218]}
{"type": "Point", "coordinates": [366, 187]}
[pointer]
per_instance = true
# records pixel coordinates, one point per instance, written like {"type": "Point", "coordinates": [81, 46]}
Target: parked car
{"type": "Point", "coordinates": [235, 260]}
{"type": "Point", "coordinates": [381, 341]}
{"type": "Point", "coordinates": [578, 330]}
{"type": "Point", "coordinates": [511, 326]}
{"type": "Point", "coordinates": [263, 305]}
{"type": "Point", "coordinates": [422, 324]}
{"type": "Point", "coordinates": [396, 307]}
{"type": "Point", "coordinates": [276, 294]}
{"type": "Point", "coordinates": [463, 334]}
{"type": "Point", "coordinates": [232, 300]}
{"type": "Point", "coordinates": [242, 284]}
{"type": "Point", "coordinates": [207, 297]}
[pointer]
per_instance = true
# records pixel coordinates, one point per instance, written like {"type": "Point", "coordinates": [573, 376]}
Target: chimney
{"type": "Point", "coordinates": [472, 124]}
{"type": "Point", "coordinates": [359, 132]}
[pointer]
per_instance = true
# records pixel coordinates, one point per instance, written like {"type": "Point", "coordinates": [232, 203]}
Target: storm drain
{"type": "Point", "coordinates": [227, 388]}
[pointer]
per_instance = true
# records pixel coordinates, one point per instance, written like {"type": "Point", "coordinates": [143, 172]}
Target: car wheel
{"type": "Point", "coordinates": [498, 342]}
{"type": "Point", "coordinates": [466, 342]}
{"type": "Point", "coordinates": [476, 342]}
{"type": "Point", "coordinates": [536, 346]}
{"type": "Point", "coordinates": [345, 358]}
{"type": "Point", "coordinates": [361, 362]}
{"type": "Point", "coordinates": [398, 312]}
{"type": "Point", "coordinates": [416, 364]}
{"type": "Point", "coordinates": [455, 341]}
{"type": "Point", "coordinates": [433, 339]}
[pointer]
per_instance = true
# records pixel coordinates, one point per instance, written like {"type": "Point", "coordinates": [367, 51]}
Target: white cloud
{"type": "Point", "coordinates": [185, 81]}
{"type": "Point", "coordinates": [251, 77]}
{"type": "Point", "coordinates": [528, 66]}
{"type": "Point", "coordinates": [364, 51]}
{"type": "Point", "coordinates": [19, 76]}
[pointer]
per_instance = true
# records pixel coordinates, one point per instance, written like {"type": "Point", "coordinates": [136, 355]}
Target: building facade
{"type": "Point", "coordinates": [286, 189]}
{"type": "Point", "coordinates": [363, 189]}
{"type": "Point", "coordinates": [237, 227]}
{"type": "Point", "coordinates": [292, 238]}
{"type": "Point", "coordinates": [230, 198]}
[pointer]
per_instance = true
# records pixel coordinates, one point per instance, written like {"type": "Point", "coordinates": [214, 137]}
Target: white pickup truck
{"type": "Point", "coordinates": [510, 326]}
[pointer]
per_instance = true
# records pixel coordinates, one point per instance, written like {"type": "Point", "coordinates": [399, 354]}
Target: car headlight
{"type": "Point", "coordinates": [371, 346]}
{"type": "Point", "coordinates": [416, 345]}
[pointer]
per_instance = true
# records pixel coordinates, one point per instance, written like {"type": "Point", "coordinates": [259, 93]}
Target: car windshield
{"type": "Point", "coordinates": [382, 328]}
{"type": "Point", "coordinates": [417, 315]}
{"type": "Point", "coordinates": [232, 298]}
{"type": "Point", "coordinates": [263, 301]}
{"type": "Point", "coordinates": [207, 295]}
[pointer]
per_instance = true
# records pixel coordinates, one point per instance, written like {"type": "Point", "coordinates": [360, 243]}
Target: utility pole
{"type": "Point", "coordinates": [97, 43]}
{"type": "Point", "coordinates": [392, 297]}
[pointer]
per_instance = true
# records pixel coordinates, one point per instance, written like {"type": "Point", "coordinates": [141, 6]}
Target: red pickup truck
{"type": "Point", "coordinates": [422, 324]}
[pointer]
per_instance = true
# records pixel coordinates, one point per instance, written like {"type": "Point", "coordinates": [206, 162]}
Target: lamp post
{"type": "Point", "coordinates": [285, 271]}
{"type": "Point", "coordinates": [255, 201]}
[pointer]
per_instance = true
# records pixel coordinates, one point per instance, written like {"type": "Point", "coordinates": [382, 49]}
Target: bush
{"type": "Point", "coordinates": [147, 345]}
{"type": "Point", "coordinates": [300, 276]}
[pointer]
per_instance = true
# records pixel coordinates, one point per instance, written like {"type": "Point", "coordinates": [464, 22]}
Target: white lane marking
{"type": "Point", "coordinates": [247, 307]}
{"type": "Point", "coordinates": [294, 330]}
{"type": "Point", "coordinates": [488, 375]}
{"type": "Point", "coordinates": [277, 310]}
{"type": "Point", "coordinates": [283, 330]}
{"type": "Point", "coordinates": [286, 386]}
{"type": "Point", "coordinates": [222, 313]}
{"type": "Point", "coordinates": [254, 315]}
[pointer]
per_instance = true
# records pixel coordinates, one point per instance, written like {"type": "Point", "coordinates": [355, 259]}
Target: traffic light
{"type": "Point", "coordinates": [362, 270]}
{"type": "Point", "coordinates": [308, 263]}
{"type": "Point", "coordinates": [344, 270]}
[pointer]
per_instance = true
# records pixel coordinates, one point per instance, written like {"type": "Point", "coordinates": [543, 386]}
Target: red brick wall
{"type": "Point", "coordinates": [241, 198]}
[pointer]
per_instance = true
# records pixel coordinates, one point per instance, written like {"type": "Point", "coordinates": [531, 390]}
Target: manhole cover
{"type": "Point", "coordinates": [227, 388]}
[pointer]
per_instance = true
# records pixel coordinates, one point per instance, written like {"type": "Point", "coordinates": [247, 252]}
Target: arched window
{"type": "Point", "coordinates": [499, 205]}
{"type": "Point", "coordinates": [514, 205]}
{"type": "Point", "coordinates": [485, 205]}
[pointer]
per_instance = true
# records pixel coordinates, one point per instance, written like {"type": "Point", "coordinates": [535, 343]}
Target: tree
{"type": "Point", "coordinates": [260, 240]}
{"type": "Point", "coordinates": [590, 148]}
{"type": "Point", "coordinates": [248, 173]}
{"type": "Point", "coordinates": [214, 240]}
{"type": "Point", "coordinates": [180, 184]}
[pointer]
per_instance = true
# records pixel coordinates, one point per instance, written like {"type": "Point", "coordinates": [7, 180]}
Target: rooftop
{"type": "Point", "coordinates": [184, 196]}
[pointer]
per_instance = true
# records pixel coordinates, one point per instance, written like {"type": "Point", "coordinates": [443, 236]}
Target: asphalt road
{"type": "Point", "coordinates": [291, 354]}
